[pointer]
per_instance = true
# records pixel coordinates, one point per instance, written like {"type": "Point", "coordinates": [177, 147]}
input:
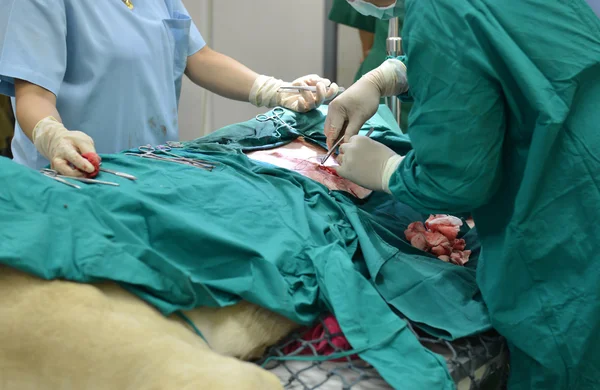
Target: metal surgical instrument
{"type": "Point", "coordinates": [151, 152]}
{"type": "Point", "coordinates": [59, 179]}
{"type": "Point", "coordinates": [277, 117]}
{"type": "Point", "coordinates": [120, 174]}
{"type": "Point", "coordinates": [55, 175]}
{"type": "Point", "coordinates": [300, 88]}
{"type": "Point", "coordinates": [339, 142]}
{"type": "Point", "coordinates": [289, 88]}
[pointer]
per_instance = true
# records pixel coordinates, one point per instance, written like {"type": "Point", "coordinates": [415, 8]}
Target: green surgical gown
{"type": "Point", "coordinates": [505, 123]}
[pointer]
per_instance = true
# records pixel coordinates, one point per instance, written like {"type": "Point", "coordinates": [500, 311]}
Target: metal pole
{"type": "Point", "coordinates": [330, 46]}
{"type": "Point", "coordinates": [394, 49]}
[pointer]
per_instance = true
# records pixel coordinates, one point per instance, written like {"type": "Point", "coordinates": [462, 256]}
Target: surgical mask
{"type": "Point", "coordinates": [384, 13]}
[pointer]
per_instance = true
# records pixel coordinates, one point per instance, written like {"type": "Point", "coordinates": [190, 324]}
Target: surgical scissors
{"type": "Point", "coordinates": [276, 116]}
{"type": "Point", "coordinates": [56, 176]}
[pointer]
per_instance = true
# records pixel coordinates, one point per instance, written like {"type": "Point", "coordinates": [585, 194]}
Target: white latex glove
{"type": "Point", "coordinates": [265, 93]}
{"type": "Point", "coordinates": [349, 111]}
{"type": "Point", "coordinates": [61, 147]}
{"type": "Point", "coordinates": [367, 163]}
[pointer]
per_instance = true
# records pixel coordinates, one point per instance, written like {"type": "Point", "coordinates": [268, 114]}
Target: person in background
{"type": "Point", "coordinates": [7, 125]}
{"type": "Point", "coordinates": [504, 124]}
{"type": "Point", "coordinates": [373, 33]}
{"type": "Point", "coordinates": [106, 76]}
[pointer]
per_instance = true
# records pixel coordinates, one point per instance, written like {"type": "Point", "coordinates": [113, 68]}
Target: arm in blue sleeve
{"type": "Point", "coordinates": [196, 42]}
{"type": "Point", "coordinates": [456, 127]}
{"type": "Point", "coordinates": [32, 44]}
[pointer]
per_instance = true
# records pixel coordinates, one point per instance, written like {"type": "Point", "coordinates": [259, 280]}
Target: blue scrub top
{"type": "Point", "coordinates": [116, 72]}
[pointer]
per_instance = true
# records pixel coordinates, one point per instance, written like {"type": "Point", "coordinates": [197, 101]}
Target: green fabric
{"type": "Point", "coordinates": [343, 13]}
{"type": "Point", "coordinates": [455, 309]}
{"type": "Point", "coordinates": [180, 237]}
{"type": "Point", "coordinates": [505, 123]}
{"type": "Point", "coordinates": [256, 135]}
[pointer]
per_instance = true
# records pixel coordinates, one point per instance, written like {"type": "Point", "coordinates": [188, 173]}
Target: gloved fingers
{"type": "Point", "coordinates": [349, 150]}
{"type": "Point", "coordinates": [340, 156]}
{"type": "Point", "coordinates": [63, 167]}
{"type": "Point", "coordinates": [313, 79]}
{"type": "Point", "coordinates": [86, 147]}
{"type": "Point", "coordinates": [345, 150]}
{"type": "Point", "coordinates": [334, 124]}
{"type": "Point", "coordinates": [293, 102]}
{"type": "Point", "coordinates": [74, 157]}
{"type": "Point", "coordinates": [340, 170]}
{"type": "Point", "coordinates": [332, 91]}
{"type": "Point", "coordinates": [307, 96]}
{"type": "Point", "coordinates": [321, 94]}
{"type": "Point", "coordinates": [352, 129]}
{"type": "Point", "coordinates": [344, 160]}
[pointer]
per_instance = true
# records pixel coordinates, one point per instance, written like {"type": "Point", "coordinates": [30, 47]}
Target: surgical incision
{"type": "Point", "coordinates": [304, 158]}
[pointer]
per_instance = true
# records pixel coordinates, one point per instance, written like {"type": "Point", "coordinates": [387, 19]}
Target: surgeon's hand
{"type": "Point", "coordinates": [349, 111]}
{"type": "Point", "coordinates": [265, 93]}
{"type": "Point", "coordinates": [63, 148]}
{"type": "Point", "coordinates": [367, 163]}
{"type": "Point", "coordinates": [306, 100]}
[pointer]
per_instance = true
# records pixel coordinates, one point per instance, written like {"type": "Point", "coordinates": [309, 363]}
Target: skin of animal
{"type": "Point", "coordinates": [304, 158]}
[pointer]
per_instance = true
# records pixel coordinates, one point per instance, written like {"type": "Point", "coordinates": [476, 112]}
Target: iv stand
{"type": "Point", "coordinates": [394, 49]}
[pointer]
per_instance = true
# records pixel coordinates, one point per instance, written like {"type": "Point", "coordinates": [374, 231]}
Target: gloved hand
{"type": "Point", "coordinates": [367, 163]}
{"type": "Point", "coordinates": [265, 93]}
{"type": "Point", "coordinates": [63, 147]}
{"type": "Point", "coordinates": [348, 112]}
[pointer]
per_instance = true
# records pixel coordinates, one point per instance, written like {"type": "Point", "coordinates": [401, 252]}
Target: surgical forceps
{"type": "Point", "coordinates": [61, 178]}
{"type": "Point", "coordinates": [151, 152]}
{"type": "Point", "coordinates": [277, 117]}
{"type": "Point", "coordinates": [120, 174]}
{"type": "Point", "coordinates": [338, 143]}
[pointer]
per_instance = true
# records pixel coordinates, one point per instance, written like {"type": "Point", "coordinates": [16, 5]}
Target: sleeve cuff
{"type": "Point", "coordinates": [196, 41]}
{"type": "Point", "coordinates": [8, 74]}
{"type": "Point", "coordinates": [390, 167]}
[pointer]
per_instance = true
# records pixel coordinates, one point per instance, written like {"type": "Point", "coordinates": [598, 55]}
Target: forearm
{"type": "Point", "coordinates": [220, 74]}
{"type": "Point", "coordinates": [33, 103]}
{"type": "Point", "coordinates": [366, 41]}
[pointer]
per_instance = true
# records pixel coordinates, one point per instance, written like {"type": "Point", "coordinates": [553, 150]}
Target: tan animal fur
{"type": "Point", "coordinates": [60, 335]}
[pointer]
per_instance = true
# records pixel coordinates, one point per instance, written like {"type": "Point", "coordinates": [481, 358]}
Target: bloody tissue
{"type": "Point", "coordinates": [438, 236]}
{"type": "Point", "coordinates": [94, 159]}
{"type": "Point", "coordinates": [329, 170]}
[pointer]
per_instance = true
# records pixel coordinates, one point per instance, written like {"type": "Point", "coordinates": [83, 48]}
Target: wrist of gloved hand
{"type": "Point", "coordinates": [367, 163]}
{"type": "Point", "coordinates": [45, 133]}
{"type": "Point", "coordinates": [389, 77]}
{"type": "Point", "coordinates": [265, 93]}
{"type": "Point", "coordinates": [390, 167]}
{"type": "Point", "coordinates": [63, 147]}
